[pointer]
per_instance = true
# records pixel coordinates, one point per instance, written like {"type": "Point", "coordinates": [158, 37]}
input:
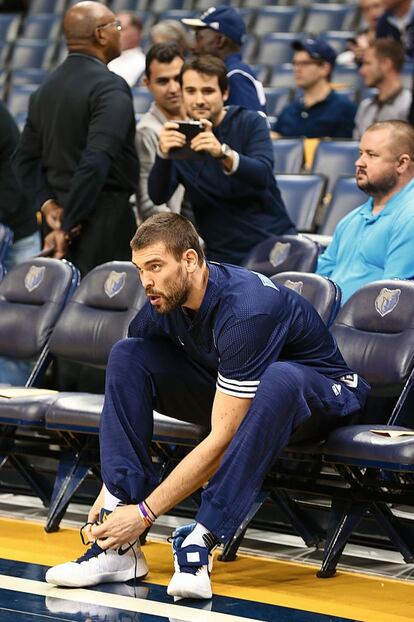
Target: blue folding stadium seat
{"type": "Point", "coordinates": [278, 19]}
{"type": "Point", "coordinates": [346, 196]}
{"type": "Point", "coordinates": [128, 5]}
{"type": "Point", "coordinates": [30, 75]}
{"type": "Point", "coordinates": [249, 47]}
{"type": "Point", "coordinates": [18, 99]}
{"type": "Point", "coordinates": [142, 99]}
{"type": "Point", "coordinates": [276, 47]}
{"type": "Point", "coordinates": [282, 253]}
{"type": "Point", "coordinates": [375, 333]}
{"type": "Point", "coordinates": [40, 26]}
{"type": "Point", "coordinates": [302, 195]}
{"type": "Point", "coordinates": [288, 155]}
{"type": "Point", "coordinates": [160, 6]}
{"type": "Point", "coordinates": [176, 14]}
{"type": "Point", "coordinates": [282, 76]}
{"type": "Point", "coordinates": [323, 17]}
{"type": "Point", "coordinates": [6, 240]}
{"type": "Point", "coordinates": [9, 26]}
{"type": "Point", "coordinates": [347, 75]}
{"type": "Point", "coordinates": [324, 294]}
{"type": "Point", "coordinates": [338, 39]}
{"type": "Point", "coordinates": [27, 53]}
{"type": "Point", "coordinates": [334, 158]}
{"type": "Point", "coordinates": [46, 6]}
{"type": "Point", "coordinates": [276, 99]}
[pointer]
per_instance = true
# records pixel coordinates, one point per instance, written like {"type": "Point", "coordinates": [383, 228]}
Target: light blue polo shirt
{"type": "Point", "coordinates": [367, 248]}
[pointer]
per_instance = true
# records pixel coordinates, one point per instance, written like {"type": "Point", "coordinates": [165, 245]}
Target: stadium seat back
{"type": "Point", "coordinates": [288, 155]}
{"type": "Point", "coordinates": [323, 17]}
{"type": "Point", "coordinates": [276, 47]}
{"type": "Point", "coordinates": [41, 26]}
{"type": "Point", "coordinates": [142, 99]}
{"type": "Point", "coordinates": [302, 195]}
{"type": "Point", "coordinates": [321, 292]}
{"type": "Point", "coordinates": [32, 296]}
{"type": "Point", "coordinates": [278, 19]}
{"type": "Point", "coordinates": [276, 99]}
{"type": "Point", "coordinates": [283, 253]}
{"type": "Point", "coordinates": [375, 333]}
{"type": "Point", "coordinates": [6, 240]}
{"type": "Point", "coordinates": [334, 158]}
{"type": "Point", "coordinates": [99, 314]}
{"type": "Point", "coordinates": [346, 196]}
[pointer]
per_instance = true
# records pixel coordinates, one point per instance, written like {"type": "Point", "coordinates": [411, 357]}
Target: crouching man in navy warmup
{"type": "Point", "coordinates": [217, 345]}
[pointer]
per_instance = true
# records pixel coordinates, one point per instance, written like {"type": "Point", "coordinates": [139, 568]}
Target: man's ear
{"type": "Point", "coordinates": [403, 162]}
{"type": "Point", "coordinates": [190, 257]}
{"type": "Point", "coordinates": [226, 95]}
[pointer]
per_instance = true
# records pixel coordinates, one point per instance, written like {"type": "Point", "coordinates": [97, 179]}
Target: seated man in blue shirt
{"type": "Point", "coordinates": [220, 346]}
{"type": "Point", "coordinates": [375, 241]}
{"type": "Point", "coordinates": [319, 111]}
{"type": "Point", "coordinates": [220, 31]}
{"type": "Point", "coordinates": [229, 180]}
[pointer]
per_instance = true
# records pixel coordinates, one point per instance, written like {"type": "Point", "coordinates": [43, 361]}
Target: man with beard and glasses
{"type": "Point", "coordinates": [229, 181]}
{"type": "Point", "coordinates": [375, 241]}
{"type": "Point", "coordinates": [219, 346]}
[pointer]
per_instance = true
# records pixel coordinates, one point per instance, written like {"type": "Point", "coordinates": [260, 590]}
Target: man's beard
{"type": "Point", "coordinates": [175, 296]}
{"type": "Point", "coordinates": [380, 188]}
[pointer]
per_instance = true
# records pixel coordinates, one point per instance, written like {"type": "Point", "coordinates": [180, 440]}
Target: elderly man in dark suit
{"type": "Point", "coordinates": [77, 156]}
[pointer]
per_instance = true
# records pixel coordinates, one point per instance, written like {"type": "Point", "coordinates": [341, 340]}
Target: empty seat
{"type": "Point", "coordinates": [27, 53]}
{"type": "Point", "coordinates": [276, 99]}
{"type": "Point", "coordinates": [282, 75]}
{"type": "Point", "coordinates": [128, 5]}
{"type": "Point", "coordinates": [41, 26]}
{"type": "Point", "coordinates": [30, 75]}
{"type": "Point", "coordinates": [9, 26]}
{"type": "Point", "coordinates": [282, 253]}
{"type": "Point", "coordinates": [323, 293]}
{"type": "Point", "coordinates": [302, 195]}
{"type": "Point", "coordinates": [323, 17]}
{"type": "Point", "coordinates": [142, 99]}
{"type": "Point", "coordinates": [18, 99]}
{"type": "Point", "coordinates": [159, 6]}
{"type": "Point", "coordinates": [337, 39]}
{"type": "Point", "coordinates": [334, 158]}
{"type": "Point", "coordinates": [46, 6]}
{"type": "Point", "coordinates": [176, 14]}
{"type": "Point", "coordinates": [347, 75]}
{"type": "Point", "coordinates": [346, 196]}
{"type": "Point", "coordinates": [276, 48]}
{"type": "Point", "coordinates": [278, 19]}
{"type": "Point", "coordinates": [288, 155]}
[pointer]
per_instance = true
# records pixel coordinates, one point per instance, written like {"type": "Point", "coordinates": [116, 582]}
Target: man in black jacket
{"type": "Point", "coordinates": [77, 155]}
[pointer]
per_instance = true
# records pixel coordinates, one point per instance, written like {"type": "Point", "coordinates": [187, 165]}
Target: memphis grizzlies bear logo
{"type": "Point", "coordinates": [114, 283]}
{"type": "Point", "coordinates": [387, 300]}
{"type": "Point", "coordinates": [279, 253]}
{"type": "Point", "coordinates": [34, 277]}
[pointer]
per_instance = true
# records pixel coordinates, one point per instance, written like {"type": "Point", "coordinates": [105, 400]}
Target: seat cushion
{"type": "Point", "coordinates": [82, 411]}
{"type": "Point", "coordinates": [25, 410]}
{"type": "Point", "coordinates": [360, 444]}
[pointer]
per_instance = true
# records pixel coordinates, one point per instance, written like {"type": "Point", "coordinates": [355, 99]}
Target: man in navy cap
{"type": "Point", "coordinates": [219, 31]}
{"type": "Point", "coordinates": [319, 111]}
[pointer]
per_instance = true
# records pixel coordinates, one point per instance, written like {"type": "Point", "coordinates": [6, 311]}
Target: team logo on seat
{"type": "Point", "coordinates": [34, 277]}
{"type": "Point", "coordinates": [297, 286]}
{"type": "Point", "coordinates": [387, 300]}
{"type": "Point", "coordinates": [279, 253]}
{"type": "Point", "coordinates": [114, 283]}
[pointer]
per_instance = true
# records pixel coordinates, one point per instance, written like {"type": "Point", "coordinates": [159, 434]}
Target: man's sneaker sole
{"type": "Point", "coordinates": [184, 585]}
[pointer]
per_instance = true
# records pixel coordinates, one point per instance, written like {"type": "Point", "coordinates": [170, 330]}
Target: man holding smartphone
{"type": "Point", "coordinates": [229, 179]}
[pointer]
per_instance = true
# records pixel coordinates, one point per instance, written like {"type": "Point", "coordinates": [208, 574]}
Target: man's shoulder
{"type": "Point", "coordinates": [151, 121]}
{"type": "Point", "coordinates": [341, 101]}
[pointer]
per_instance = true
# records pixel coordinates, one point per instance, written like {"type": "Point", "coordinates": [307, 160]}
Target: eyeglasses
{"type": "Point", "coordinates": [306, 63]}
{"type": "Point", "coordinates": [115, 23]}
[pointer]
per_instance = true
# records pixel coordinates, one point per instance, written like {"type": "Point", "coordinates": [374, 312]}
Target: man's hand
{"type": "Point", "coordinates": [57, 241]}
{"type": "Point", "coordinates": [122, 526]}
{"type": "Point", "coordinates": [93, 514]}
{"type": "Point", "coordinates": [53, 213]}
{"type": "Point", "coordinates": [170, 137]}
{"type": "Point", "coordinates": [206, 141]}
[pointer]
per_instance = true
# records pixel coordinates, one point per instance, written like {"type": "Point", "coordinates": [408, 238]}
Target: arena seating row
{"type": "Point", "coordinates": [373, 464]}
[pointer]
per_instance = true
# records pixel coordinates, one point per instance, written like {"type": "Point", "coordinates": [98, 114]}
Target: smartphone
{"type": "Point", "coordinates": [190, 129]}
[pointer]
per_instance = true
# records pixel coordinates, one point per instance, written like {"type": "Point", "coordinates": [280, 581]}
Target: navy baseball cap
{"type": "Point", "coordinates": [223, 19]}
{"type": "Point", "coordinates": [317, 49]}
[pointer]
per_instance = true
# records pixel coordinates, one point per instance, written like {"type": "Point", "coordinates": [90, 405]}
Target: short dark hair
{"type": "Point", "coordinates": [174, 230]}
{"type": "Point", "coordinates": [209, 65]}
{"type": "Point", "coordinates": [163, 53]}
{"type": "Point", "coordinates": [389, 48]}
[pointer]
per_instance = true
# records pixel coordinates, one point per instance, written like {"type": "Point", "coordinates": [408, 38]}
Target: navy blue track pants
{"type": "Point", "coordinates": [147, 374]}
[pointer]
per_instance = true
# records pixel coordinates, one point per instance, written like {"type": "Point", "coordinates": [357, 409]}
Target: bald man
{"type": "Point", "coordinates": [375, 241]}
{"type": "Point", "coordinates": [76, 158]}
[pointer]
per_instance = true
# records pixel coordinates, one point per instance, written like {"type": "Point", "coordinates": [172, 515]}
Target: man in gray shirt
{"type": "Point", "coordinates": [162, 70]}
{"type": "Point", "coordinates": [381, 68]}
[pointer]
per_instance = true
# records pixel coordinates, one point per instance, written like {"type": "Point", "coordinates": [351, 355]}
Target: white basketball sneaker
{"type": "Point", "coordinates": [193, 565]}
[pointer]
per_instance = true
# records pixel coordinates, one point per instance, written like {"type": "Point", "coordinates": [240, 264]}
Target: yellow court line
{"type": "Point", "coordinates": [288, 584]}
